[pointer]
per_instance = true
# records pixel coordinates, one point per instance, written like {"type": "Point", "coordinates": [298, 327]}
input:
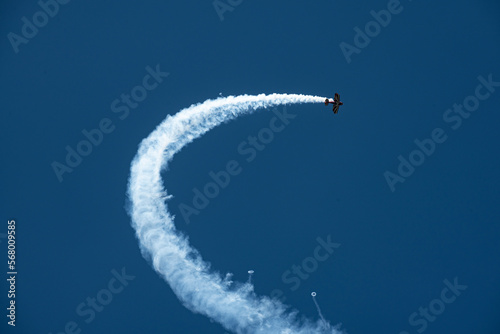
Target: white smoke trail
{"type": "Point", "coordinates": [250, 273]}
{"type": "Point", "coordinates": [235, 306]}
{"type": "Point", "coordinates": [313, 294]}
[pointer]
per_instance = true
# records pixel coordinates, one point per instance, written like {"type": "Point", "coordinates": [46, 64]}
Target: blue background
{"type": "Point", "coordinates": [322, 175]}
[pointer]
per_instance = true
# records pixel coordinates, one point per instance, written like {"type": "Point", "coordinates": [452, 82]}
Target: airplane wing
{"type": "Point", "coordinates": [335, 108]}
{"type": "Point", "coordinates": [337, 97]}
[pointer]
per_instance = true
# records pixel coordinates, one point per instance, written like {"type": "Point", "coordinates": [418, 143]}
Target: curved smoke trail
{"type": "Point", "coordinates": [235, 306]}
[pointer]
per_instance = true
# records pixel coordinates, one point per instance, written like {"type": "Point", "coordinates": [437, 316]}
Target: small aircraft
{"type": "Point", "coordinates": [336, 103]}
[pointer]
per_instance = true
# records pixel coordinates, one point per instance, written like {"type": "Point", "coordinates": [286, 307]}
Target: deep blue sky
{"type": "Point", "coordinates": [323, 175]}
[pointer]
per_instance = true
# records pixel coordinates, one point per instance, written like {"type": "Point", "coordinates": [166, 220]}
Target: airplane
{"type": "Point", "coordinates": [336, 103]}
